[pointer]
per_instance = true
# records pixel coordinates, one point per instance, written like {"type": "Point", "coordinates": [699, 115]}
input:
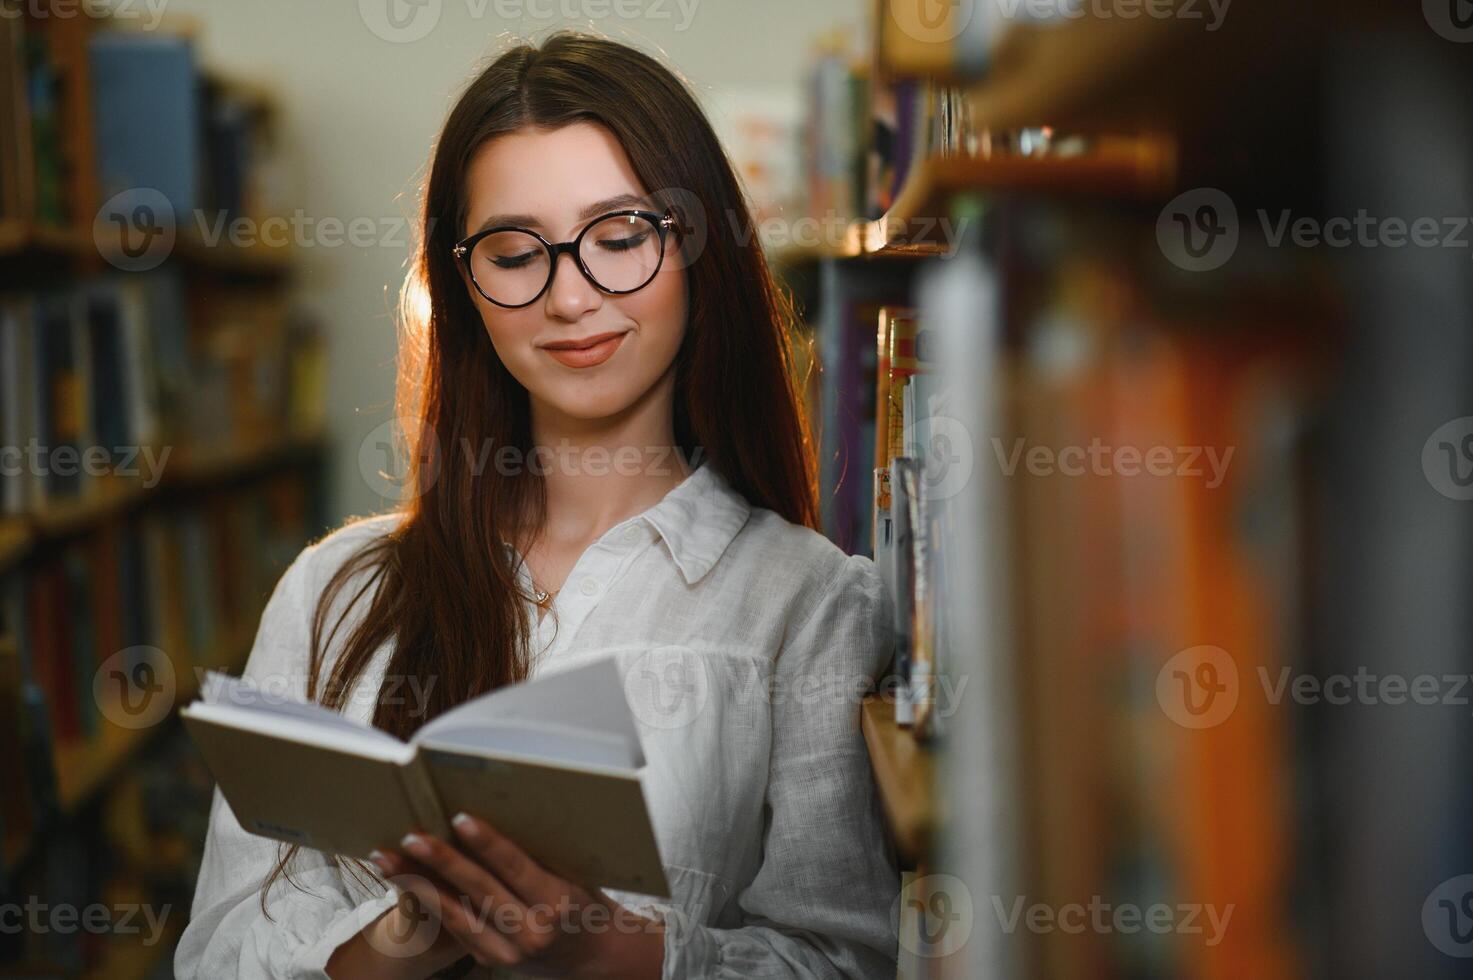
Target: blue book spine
{"type": "Point", "coordinates": [145, 94]}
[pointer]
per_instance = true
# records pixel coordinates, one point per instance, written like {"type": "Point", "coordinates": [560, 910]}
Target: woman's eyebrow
{"type": "Point", "coordinates": [614, 203]}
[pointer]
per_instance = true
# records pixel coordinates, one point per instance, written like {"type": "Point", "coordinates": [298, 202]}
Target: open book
{"type": "Point", "coordinates": [552, 763]}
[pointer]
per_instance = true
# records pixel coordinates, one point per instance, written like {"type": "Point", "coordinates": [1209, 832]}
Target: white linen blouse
{"type": "Point", "coordinates": [745, 643]}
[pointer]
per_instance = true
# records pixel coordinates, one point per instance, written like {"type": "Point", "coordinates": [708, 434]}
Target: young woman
{"type": "Point", "coordinates": [610, 459]}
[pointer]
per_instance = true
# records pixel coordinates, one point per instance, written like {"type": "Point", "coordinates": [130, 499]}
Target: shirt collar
{"type": "Point", "coordinates": [698, 520]}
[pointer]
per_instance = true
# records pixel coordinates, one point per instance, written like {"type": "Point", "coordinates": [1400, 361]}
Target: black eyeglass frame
{"type": "Point", "coordinates": [663, 223]}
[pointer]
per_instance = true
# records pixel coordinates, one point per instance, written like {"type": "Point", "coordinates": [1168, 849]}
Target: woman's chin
{"type": "Point", "coordinates": [583, 407]}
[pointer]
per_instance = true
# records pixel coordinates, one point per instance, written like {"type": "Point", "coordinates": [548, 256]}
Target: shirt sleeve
{"type": "Point", "coordinates": [822, 903]}
{"type": "Point", "coordinates": [229, 934]}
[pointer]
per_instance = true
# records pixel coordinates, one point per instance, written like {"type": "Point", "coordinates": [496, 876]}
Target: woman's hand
{"type": "Point", "coordinates": [506, 910]}
{"type": "Point", "coordinates": [405, 943]}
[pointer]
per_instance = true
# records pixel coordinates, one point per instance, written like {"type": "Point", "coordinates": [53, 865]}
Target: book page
{"type": "Point", "coordinates": [582, 704]}
{"type": "Point", "coordinates": [242, 704]}
{"type": "Point", "coordinates": [537, 741]}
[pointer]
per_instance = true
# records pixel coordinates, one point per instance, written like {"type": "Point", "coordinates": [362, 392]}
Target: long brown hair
{"type": "Point", "coordinates": [440, 586]}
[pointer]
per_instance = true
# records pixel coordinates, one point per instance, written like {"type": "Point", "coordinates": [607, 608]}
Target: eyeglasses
{"type": "Point", "coordinates": [619, 252]}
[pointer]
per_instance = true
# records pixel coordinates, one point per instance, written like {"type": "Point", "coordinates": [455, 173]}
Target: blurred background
{"type": "Point", "coordinates": [1135, 334]}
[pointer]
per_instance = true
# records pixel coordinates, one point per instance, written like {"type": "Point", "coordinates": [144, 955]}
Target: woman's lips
{"type": "Point", "coordinates": [584, 357]}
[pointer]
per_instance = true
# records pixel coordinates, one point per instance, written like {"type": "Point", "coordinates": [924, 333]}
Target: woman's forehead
{"type": "Point", "coordinates": [549, 179]}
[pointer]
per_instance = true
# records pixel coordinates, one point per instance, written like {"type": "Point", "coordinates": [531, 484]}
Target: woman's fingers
{"type": "Point", "coordinates": [532, 883]}
{"type": "Point", "coordinates": [489, 902]}
{"type": "Point", "coordinates": [488, 946]}
{"type": "Point", "coordinates": [498, 902]}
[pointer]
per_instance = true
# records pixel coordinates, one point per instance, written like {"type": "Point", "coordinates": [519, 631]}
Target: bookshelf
{"type": "Point", "coordinates": [193, 384]}
{"type": "Point", "coordinates": [1060, 772]}
{"type": "Point", "coordinates": [905, 775]}
{"type": "Point", "coordinates": [25, 241]}
{"type": "Point", "coordinates": [1119, 167]}
{"type": "Point", "coordinates": [20, 239]}
{"type": "Point", "coordinates": [259, 260]}
{"type": "Point", "coordinates": [115, 497]}
{"type": "Point", "coordinates": [1096, 71]}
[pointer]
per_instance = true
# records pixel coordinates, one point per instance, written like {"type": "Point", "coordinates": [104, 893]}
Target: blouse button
{"type": "Point", "coordinates": [589, 587]}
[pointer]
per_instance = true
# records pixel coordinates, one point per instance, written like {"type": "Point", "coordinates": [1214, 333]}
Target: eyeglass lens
{"type": "Point", "coordinates": [621, 253]}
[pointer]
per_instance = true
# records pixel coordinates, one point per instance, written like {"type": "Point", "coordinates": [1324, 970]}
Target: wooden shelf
{"type": "Point", "coordinates": [1098, 72]}
{"type": "Point", "coordinates": [24, 240]}
{"type": "Point", "coordinates": [1234, 99]}
{"type": "Point", "coordinates": [183, 471]}
{"type": "Point", "coordinates": [919, 223]}
{"type": "Point", "coordinates": [863, 246]}
{"type": "Point", "coordinates": [905, 774]}
{"type": "Point", "coordinates": [60, 518]}
{"type": "Point", "coordinates": [259, 260]}
{"type": "Point", "coordinates": [1024, 73]}
{"type": "Point", "coordinates": [199, 467]}
{"type": "Point", "coordinates": [1142, 168]}
{"type": "Point", "coordinates": [111, 497]}
{"type": "Point", "coordinates": [18, 238]}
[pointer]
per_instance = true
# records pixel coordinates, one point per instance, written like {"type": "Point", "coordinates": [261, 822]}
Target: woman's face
{"type": "Point", "coordinates": [581, 353]}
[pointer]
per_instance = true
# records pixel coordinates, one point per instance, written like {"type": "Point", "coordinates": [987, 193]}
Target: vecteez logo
{"type": "Point", "coordinates": [1198, 230]}
{"type": "Point", "coordinates": [943, 912]}
{"type": "Point", "coordinates": [1451, 19]}
{"type": "Point", "coordinates": [384, 464]}
{"type": "Point", "coordinates": [1447, 459]}
{"type": "Point", "coordinates": [415, 929]}
{"type": "Point", "coordinates": [135, 229]}
{"type": "Point", "coordinates": [1447, 917]}
{"type": "Point", "coordinates": [1198, 688]}
{"type": "Point", "coordinates": [947, 455]}
{"type": "Point", "coordinates": [400, 21]}
{"type": "Point", "coordinates": [932, 21]}
{"type": "Point", "coordinates": [668, 687]}
{"type": "Point", "coordinates": [135, 688]}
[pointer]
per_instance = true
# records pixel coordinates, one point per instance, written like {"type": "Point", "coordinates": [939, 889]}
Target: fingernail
{"type": "Point", "coordinates": [465, 825]}
{"type": "Point", "coordinates": [416, 845]}
{"type": "Point", "coordinates": [377, 857]}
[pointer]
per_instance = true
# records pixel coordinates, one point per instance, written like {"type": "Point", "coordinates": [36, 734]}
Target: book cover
{"type": "Point", "coordinates": [554, 763]}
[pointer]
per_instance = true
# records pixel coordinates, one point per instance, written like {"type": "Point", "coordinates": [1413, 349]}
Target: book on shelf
{"type": "Point", "coordinates": [553, 763]}
{"type": "Point", "coordinates": [146, 107]}
{"type": "Point", "coordinates": [17, 166]}
{"type": "Point", "coordinates": [43, 85]}
{"type": "Point", "coordinates": [865, 131]}
{"type": "Point", "coordinates": [17, 396]}
{"type": "Point", "coordinates": [847, 398]}
{"type": "Point", "coordinates": [907, 525]}
{"type": "Point", "coordinates": [25, 724]}
{"type": "Point", "coordinates": [18, 816]}
{"type": "Point", "coordinates": [902, 577]}
{"type": "Point", "coordinates": [1143, 547]}
{"type": "Point", "coordinates": [118, 590]}
{"type": "Point", "coordinates": [106, 378]}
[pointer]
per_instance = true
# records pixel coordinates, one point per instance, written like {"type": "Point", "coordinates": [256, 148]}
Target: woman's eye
{"type": "Point", "coordinates": [513, 261]}
{"type": "Point", "coordinates": [624, 244]}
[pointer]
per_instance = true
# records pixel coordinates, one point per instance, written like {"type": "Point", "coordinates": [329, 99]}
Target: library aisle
{"type": "Point", "coordinates": [1136, 337]}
